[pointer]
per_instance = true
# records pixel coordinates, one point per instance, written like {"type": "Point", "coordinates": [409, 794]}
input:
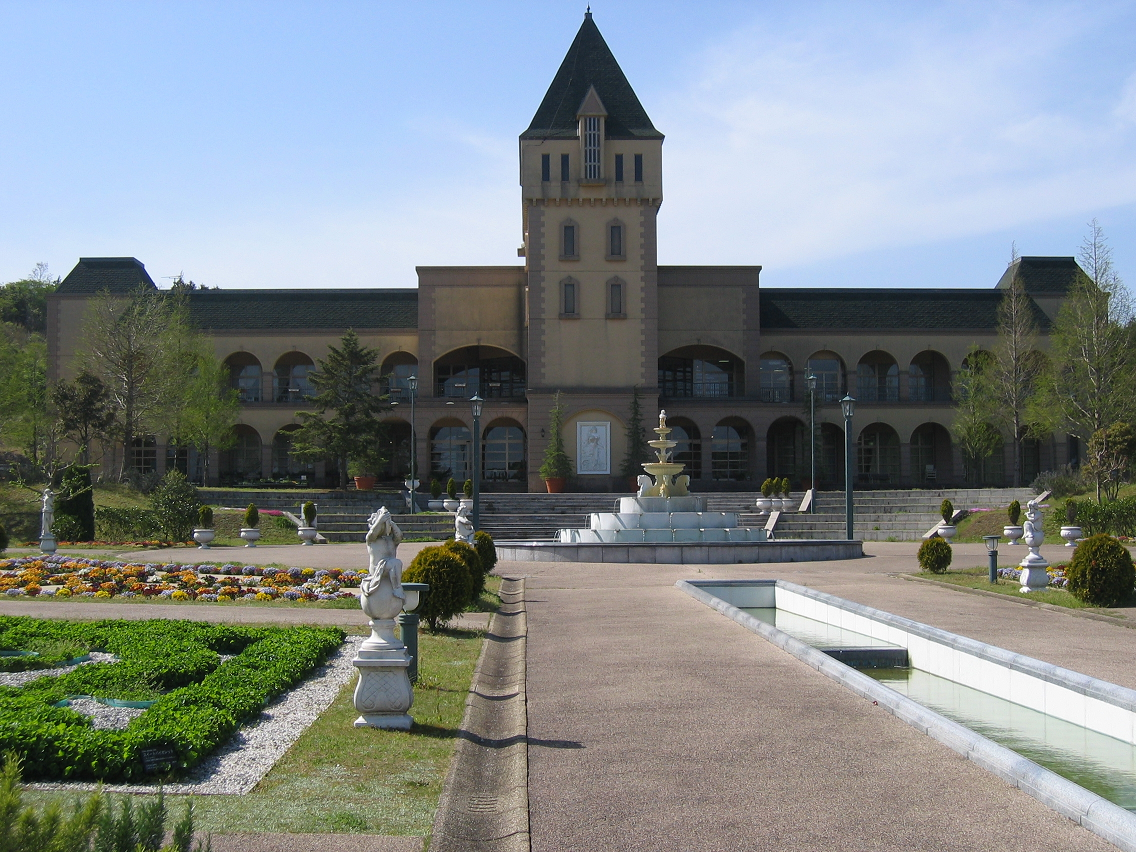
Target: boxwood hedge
{"type": "Point", "coordinates": [201, 700]}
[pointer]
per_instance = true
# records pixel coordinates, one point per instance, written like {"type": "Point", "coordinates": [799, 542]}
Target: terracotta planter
{"type": "Point", "coordinates": [364, 483]}
{"type": "Point", "coordinates": [555, 485]}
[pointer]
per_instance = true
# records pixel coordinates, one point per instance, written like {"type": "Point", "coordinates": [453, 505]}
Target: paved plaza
{"type": "Point", "coordinates": [655, 723]}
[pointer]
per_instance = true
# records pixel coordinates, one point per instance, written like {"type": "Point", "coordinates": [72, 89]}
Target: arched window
{"type": "Point", "coordinates": [688, 449]}
{"type": "Point", "coordinates": [787, 448]}
{"type": "Point", "coordinates": [397, 369]}
{"type": "Point", "coordinates": [241, 462]}
{"type": "Point", "coordinates": [485, 370]}
{"type": "Point", "coordinates": [700, 371]}
{"type": "Point", "coordinates": [877, 455]}
{"type": "Point", "coordinates": [730, 452]}
{"type": "Point", "coordinates": [292, 384]}
{"type": "Point", "coordinates": [503, 453]}
{"type": "Point", "coordinates": [450, 454]}
{"type": "Point", "coordinates": [877, 378]}
{"type": "Point", "coordinates": [284, 464]}
{"type": "Point", "coordinates": [931, 455]}
{"type": "Point", "coordinates": [929, 378]}
{"type": "Point", "coordinates": [245, 375]}
{"type": "Point", "coordinates": [776, 378]}
{"type": "Point", "coordinates": [829, 370]}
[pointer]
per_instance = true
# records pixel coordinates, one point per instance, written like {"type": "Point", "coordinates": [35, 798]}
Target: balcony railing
{"type": "Point", "coordinates": [776, 394]}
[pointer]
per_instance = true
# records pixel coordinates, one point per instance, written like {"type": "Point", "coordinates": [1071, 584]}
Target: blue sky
{"type": "Point", "coordinates": [341, 144]}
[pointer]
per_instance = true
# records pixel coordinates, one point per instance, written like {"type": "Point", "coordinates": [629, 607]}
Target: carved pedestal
{"type": "Point", "coordinates": [383, 694]}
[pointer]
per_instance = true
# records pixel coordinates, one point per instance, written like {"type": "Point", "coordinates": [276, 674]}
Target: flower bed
{"type": "Point", "coordinates": [200, 699]}
{"type": "Point", "coordinates": [1056, 575]}
{"type": "Point", "coordinates": [64, 577]}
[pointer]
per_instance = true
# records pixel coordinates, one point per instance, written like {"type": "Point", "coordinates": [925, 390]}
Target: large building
{"type": "Point", "coordinates": [593, 316]}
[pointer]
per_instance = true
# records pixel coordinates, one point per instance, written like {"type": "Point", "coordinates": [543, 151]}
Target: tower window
{"type": "Point", "coordinates": [569, 245]}
{"type": "Point", "coordinates": [638, 168]}
{"type": "Point", "coordinates": [615, 247]}
{"type": "Point", "coordinates": [565, 170]}
{"type": "Point", "coordinates": [591, 147]}
{"type": "Point", "coordinates": [546, 167]}
{"type": "Point", "coordinates": [568, 298]}
{"type": "Point", "coordinates": [619, 168]}
{"type": "Point", "coordinates": [615, 307]}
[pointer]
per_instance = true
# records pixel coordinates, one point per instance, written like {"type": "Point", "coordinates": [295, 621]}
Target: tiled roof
{"type": "Point", "coordinates": [883, 309]}
{"type": "Point", "coordinates": [1043, 274]}
{"type": "Point", "coordinates": [589, 62]}
{"type": "Point", "coordinates": [303, 309]}
{"type": "Point", "coordinates": [110, 274]}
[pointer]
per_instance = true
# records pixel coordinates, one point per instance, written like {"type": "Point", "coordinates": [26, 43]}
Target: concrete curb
{"type": "Point", "coordinates": [484, 804]}
{"type": "Point", "coordinates": [1098, 815]}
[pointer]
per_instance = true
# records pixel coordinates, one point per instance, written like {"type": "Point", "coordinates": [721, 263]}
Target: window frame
{"type": "Point", "coordinates": [545, 168]}
{"type": "Point", "coordinates": [572, 285]}
{"type": "Point", "coordinates": [608, 241]}
{"type": "Point", "coordinates": [619, 168]}
{"type": "Point", "coordinates": [565, 168]}
{"type": "Point", "coordinates": [613, 285]}
{"type": "Point", "coordinates": [575, 226]}
{"type": "Point", "coordinates": [638, 168]}
{"type": "Point", "coordinates": [591, 135]}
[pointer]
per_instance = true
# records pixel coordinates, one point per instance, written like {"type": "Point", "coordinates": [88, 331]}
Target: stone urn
{"type": "Point", "coordinates": [788, 504]}
{"type": "Point", "coordinates": [466, 502]}
{"type": "Point", "coordinates": [764, 504]}
{"type": "Point", "coordinates": [203, 537]}
{"type": "Point", "coordinates": [1012, 532]}
{"type": "Point", "coordinates": [1071, 534]}
{"type": "Point", "coordinates": [251, 535]}
{"type": "Point", "coordinates": [436, 505]}
{"type": "Point", "coordinates": [947, 532]}
{"type": "Point", "coordinates": [308, 534]}
{"type": "Point", "coordinates": [450, 505]}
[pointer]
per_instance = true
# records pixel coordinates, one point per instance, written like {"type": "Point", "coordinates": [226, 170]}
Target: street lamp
{"type": "Point", "coordinates": [811, 382]}
{"type": "Point", "coordinates": [848, 406]}
{"type": "Point", "coordinates": [412, 386]}
{"type": "Point", "coordinates": [992, 549]}
{"type": "Point", "coordinates": [475, 404]}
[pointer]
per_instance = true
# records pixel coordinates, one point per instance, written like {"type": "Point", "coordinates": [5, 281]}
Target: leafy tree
{"type": "Point", "coordinates": [556, 463]}
{"type": "Point", "coordinates": [175, 503]}
{"type": "Point", "coordinates": [1110, 454]}
{"type": "Point", "coordinates": [24, 302]}
{"type": "Point", "coordinates": [84, 411]}
{"type": "Point", "coordinates": [972, 430]}
{"type": "Point", "coordinates": [637, 449]}
{"type": "Point", "coordinates": [1091, 382]}
{"type": "Point", "coordinates": [77, 500]}
{"type": "Point", "coordinates": [203, 415]}
{"type": "Point", "coordinates": [24, 420]}
{"type": "Point", "coordinates": [347, 424]}
{"type": "Point", "coordinates": [1015, 365]}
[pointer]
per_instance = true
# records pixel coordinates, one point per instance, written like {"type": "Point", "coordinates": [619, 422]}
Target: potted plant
{"type": "Point", "coordinates": [946, 529]}
{"type": "Point", "coordinates": [250, 532]}
{"type": "Point", "coordinates": [786, 500]}
{"type": "Point", "coordinates": [435, 503]}
{"type": "Point", "coordinates": [360, 470]}
{"type": "Point", "coordinates": [451, 501]}
{"type": "Point", "coordinates": [467, 492]}
{"type": "Point", "coordinates": [1070, 532]}
{"type": "Point", "coordinates": [557, 467]}
{"type": "Point", "coordinates": [307, 530]}
{"type": "Point", "coordinates": [1013, 530]}
{"type": "Point", "coordinates": [204, 533]}
{"type": "Point", "coordinates": [765, 501]}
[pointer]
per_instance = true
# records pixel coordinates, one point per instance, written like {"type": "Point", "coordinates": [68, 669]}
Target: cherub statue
{"type": "Point", "coordinates": [463, 526]}
{"type": "Point", "coordinates": [663, 419]}
{"type": "Point", "coordinates": [383, 539]}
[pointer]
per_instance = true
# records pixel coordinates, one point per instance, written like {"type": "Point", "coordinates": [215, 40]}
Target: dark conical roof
{"type": "Point", "coordinates": [589, 62]}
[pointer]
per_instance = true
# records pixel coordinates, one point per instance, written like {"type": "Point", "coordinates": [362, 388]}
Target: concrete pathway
{"type": "Point", "coordinates": [655, 723]}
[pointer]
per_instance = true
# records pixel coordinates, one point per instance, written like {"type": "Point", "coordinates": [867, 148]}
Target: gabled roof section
{"type": "Point", "coordinates": [592, 104]}
{"type": "Point", "coordinates": [884, 309]}
{"type": "Point", "coordinates": [1043, 274]}
{"type": "Point", "coordinates": [117, 275]}
{"type": "Point", "coordinates": [232, 310]}
{"type": "Point", "coordinates": [589, 62]}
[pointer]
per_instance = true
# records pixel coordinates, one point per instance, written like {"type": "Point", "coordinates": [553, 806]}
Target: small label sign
{"type": "Point", "coordinates": [157, 759]}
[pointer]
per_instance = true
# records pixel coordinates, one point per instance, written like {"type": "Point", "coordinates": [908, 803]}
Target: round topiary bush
{"type": "Point", "coordinates": [472, 561]}
{"type": "Point", "coordinates": [486, 549]}
{"type": "Point", "coordinates": [935, 555]}
{"type": "Point", "coordinates": [449, 581]}
{"type": "Point", "coordinates": [1101, 571]}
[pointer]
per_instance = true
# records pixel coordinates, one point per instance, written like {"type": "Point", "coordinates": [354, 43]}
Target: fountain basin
{"type": "Point", "coordinates": [688, 553]}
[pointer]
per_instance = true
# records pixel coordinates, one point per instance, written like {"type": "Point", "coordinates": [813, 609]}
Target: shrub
{"type": "Point", "coordinates": [452, 489]}
{"type": "Point", "coordinates": [767, 488]}
{"type": "Point", "coordinates": [435, 489]}
{"type": "Point", "coordinates": [1101, 571]}
{"type": "Point", "coordinates": [1061, 482]}
{"type": "Point", "coordinates": [309, 512]}
{"type": "Point", "coordinates": [175, 503]}
{"type": "Point", "coordinates": [556, 464]}
{"type": "Point", "coordinates": [1070, 511]}
{"type": "Point", "coordinates": [467, 489]}
{"type": "Point", "coordinates": [205, 517]}
{"type": "Point", "coordinates": [131, 524]}
{"type": "Point", "coordinates": [468, 555]}
{"type": "Point", "coordinates": [1117, 517]}
{"type": "Point", "coordinates": [252, 517]}
{"type": "Point", "coordinates": [947, 510]}
{"type": "Point", "coordinates": [935, 555]}
{"type": "Point", "coordinates": [69, 528]}
{"type": "Point", "coordinates": [77, 500]}
{"type": "Point", "coordinates": [785, 486]}
{"type": "Point", "coordinates": [1014, 512]}
{"type": "Point", "coordinates": [449, 580]}
{"type": "Point", "coordinates": [483, 543]}
{"type": "Point", "coordinates": [3, 539]}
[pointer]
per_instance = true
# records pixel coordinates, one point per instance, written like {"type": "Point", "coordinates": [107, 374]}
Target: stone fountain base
{"type": "Point", "coordinates": [690, 553]}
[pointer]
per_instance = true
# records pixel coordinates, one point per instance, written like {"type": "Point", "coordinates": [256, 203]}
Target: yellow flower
{"type": "Point", "coordinates": [102, 594]}
{"type": "Point", "coordinates": [179, 595]}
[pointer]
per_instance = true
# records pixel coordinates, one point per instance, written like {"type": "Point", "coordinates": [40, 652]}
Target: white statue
{"type": "Point", "coordinates": [1034, 573]}
{"type": "Point", "coordinates": [645, 485]}
{"type": "Point", "coordinates": [47, 518]}
{"type": "Point", "coordinates": [463, 526]}
{"type": "Point", "coordinates": [383, 539]}
{"type": "Point", "coordinates": [663, 419]}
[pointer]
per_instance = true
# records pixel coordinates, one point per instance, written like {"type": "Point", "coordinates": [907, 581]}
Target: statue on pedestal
{"type": "Point", "coordinates": [463, 526]}
{"type": "Point", "coordinates": [1034, 573]}
{"type": "Point", "coordinates": [46, 522]}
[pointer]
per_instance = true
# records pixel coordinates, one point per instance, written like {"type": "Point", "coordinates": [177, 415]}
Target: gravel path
{"type": "Point", "coordinates": [238, 766]}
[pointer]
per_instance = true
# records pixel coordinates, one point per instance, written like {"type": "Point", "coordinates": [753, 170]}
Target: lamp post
{"type": "Point", "coordinates": [848, 406]}
{"type": "Point", "coordinates": [412, 386]}
{"type": "Point", "coordinates": [811, 382]}
{"type": "Point", "coordinates": [475, 404]}
{"type": "Point", "coordinates": [992, 549]}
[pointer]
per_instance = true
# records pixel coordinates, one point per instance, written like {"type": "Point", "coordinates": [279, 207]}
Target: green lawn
{"type": "Point", "coordinates": [979, 578]}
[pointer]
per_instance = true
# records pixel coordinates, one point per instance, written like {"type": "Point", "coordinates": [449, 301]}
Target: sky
{"type": "Point", "coordinates": [341, 144]}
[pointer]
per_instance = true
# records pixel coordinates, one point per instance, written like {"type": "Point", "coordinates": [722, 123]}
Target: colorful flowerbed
{"type": "Point", "coordinates": [1056, 575]}
{"type": "Point", "coordinates": [64, 577]}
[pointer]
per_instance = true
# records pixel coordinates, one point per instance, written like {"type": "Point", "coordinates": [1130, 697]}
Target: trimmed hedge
{"type": "Point", "coordinates": [131, 524]}
{"type": "Point", "coordinates": [1101, 571]}
{"type": "Point", "coordinates": [935, 555]}
{"type": "Point", "coordinates": [201, 700]}
{"type": "Point", "coordinates": [450, 584]}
